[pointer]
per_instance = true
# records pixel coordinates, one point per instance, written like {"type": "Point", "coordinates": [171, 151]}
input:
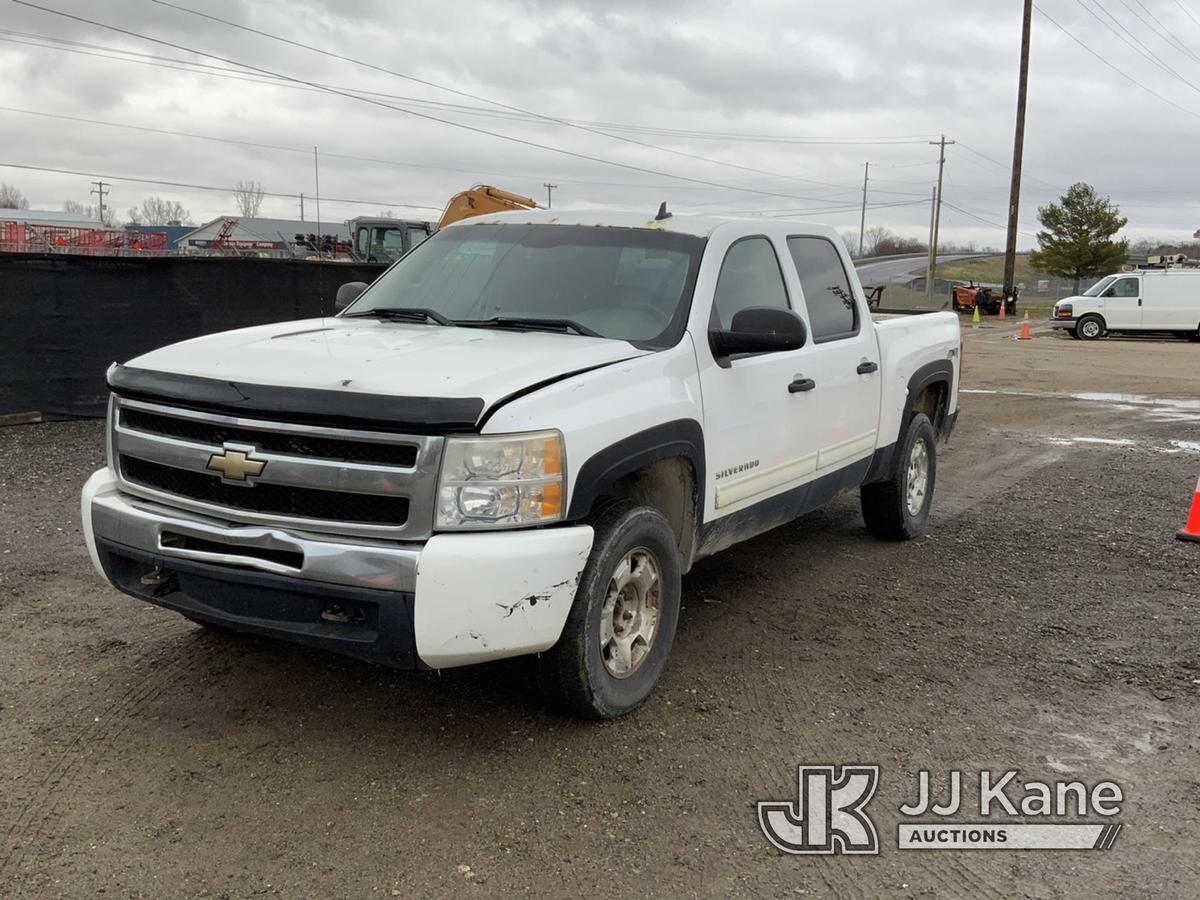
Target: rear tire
{"type": "Point", "coordinates": [898, 509]}
{"type": "Point", "coordinates": [618, 635]}
{"type": "Point", "coordinates": [1090, 328]}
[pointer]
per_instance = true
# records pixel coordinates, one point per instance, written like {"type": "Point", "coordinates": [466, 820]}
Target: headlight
{"type": "Point", "coordinates": [1064, 311]}
{"type": "Point", "coordinates": [506, 481]}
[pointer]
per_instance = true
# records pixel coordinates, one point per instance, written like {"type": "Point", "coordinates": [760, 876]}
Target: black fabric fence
{"type": "Point", "coordinates": [66, 318]}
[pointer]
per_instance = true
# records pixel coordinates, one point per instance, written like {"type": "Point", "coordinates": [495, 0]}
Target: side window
{"type": "Point", "coordinates": [832, 311]}
{"type": "Point", "coordinates": [1124, 287]}
{"type": "Point", "coordinates": [750, 276]}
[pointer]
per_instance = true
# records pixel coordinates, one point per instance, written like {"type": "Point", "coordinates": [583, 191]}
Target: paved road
{"type": "Point", "coordinates": [885, 271]}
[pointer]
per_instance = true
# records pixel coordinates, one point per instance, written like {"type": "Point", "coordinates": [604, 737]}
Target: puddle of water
{"type": "Point", "coordinates": [1115, 442]}
{"type": "Point", "coordinates": [1139, 400]}
{"type": "Point", "coordinates": [1161, 409]}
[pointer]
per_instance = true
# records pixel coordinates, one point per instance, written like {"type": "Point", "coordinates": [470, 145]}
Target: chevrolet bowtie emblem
{"type": "Point", "coordinates": [236, 464]}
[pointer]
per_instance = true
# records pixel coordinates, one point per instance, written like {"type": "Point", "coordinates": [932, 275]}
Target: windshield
{"type": "Point", "coordinates": [625, 283]}
{"type": "Point", "coordinates": [1100, 286]}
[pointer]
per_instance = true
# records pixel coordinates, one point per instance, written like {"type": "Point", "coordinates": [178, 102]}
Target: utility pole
{"type": "Point", "coordinates": [1014, 197]}
{"type": "Point", "coordinates": [937, 214]}
{"type": "Point", "coordinates": [317, 182]}
{"type": "Point", "coordinates": [100, 189]}
{"type": "Point", "coordinates": [302, 206]}
{"type": "Point", "coordinates": [549, 194]}
{"type": "Point", "coordinates": [933, 202]}
{"type": "Point", "coordinates": [862, 224]}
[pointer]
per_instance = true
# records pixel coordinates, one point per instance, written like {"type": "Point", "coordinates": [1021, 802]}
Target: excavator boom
{"type": "Point", "coordinates": [481, 200]}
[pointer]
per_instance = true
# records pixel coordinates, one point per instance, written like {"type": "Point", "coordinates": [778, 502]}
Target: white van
{"type": "Point", "coordinates": [1143, 300]}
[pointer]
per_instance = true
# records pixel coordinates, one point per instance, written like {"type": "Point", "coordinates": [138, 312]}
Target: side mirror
{"type": "Point", "coordinates": [760, 329]}
{"type": "Point", "coordinates": [348, 293]}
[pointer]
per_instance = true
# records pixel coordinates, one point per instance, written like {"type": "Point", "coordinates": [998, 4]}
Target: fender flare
{"type": "Point", "coordinates": [679, 438]}
{"type": "Point", "coordinates": [938, 371]}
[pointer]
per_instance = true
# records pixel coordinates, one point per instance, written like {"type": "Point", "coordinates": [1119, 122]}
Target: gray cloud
{"type": "Point", "coordinates": [766, 67]}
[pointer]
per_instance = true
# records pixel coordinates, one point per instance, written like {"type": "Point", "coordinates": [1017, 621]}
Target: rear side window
{"type": "Point", "coordinates": [750, 276]}
{"type": "Point", "coordinates": [832, 312]}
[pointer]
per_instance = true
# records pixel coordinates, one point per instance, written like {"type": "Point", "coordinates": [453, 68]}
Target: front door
{"type": "Point", "coordinates": [1123, 303]}
{"type": "Point", "coordinates": [760, 423]}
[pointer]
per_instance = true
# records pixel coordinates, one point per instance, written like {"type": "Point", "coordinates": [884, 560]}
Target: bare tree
{"type": "Point", "coordinates": [248, 195]}
{"type": "Point", "coordinates": [12, 198]}
{"type": "Point", "coordinates": [88, 211]}
{"type": "Point", "coordinates": [874, 236]}
{"type": "Point", "coordinates": [157, 211]}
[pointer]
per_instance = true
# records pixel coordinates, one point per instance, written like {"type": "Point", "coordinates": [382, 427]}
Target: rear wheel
{"type": "Point", "coordinates": [1090, 328]}
{"type": "Point", "coordinates": [618, 634]}
{"type": "Point", "coordinates": [897, 509]}
{"type": "Point", "coordinates": [1194, 336]}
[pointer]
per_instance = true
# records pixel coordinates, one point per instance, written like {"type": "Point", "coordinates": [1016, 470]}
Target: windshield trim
{"type": "Point", "coordinates": [669, 337]}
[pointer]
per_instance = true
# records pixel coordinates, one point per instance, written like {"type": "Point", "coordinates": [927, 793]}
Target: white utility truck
{"type": "Point", "coordinates": [1142, 300]}
{"type": "Point", "coordinates": [517, 440]}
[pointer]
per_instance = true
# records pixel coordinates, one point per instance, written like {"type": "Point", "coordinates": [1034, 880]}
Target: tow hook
{"type": "Point", "coordinates": [159, 580]}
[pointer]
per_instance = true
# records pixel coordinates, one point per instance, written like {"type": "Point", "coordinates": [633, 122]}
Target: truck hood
{"type": "Point", "coordinates": [386, 359]}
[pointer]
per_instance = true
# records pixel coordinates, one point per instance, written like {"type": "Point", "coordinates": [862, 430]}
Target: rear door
{"type": "Point", "coordinates": [1123, 303]}
{"type": "Point", "coordinates": [1171, 301]}
{"type": "Point", "coordinates": [843, 355]}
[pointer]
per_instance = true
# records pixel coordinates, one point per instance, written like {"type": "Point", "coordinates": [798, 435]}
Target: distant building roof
{"type": "Point", "coordinates": [263, 230]}
{"type": "Point", "coordinates": [49, 217]}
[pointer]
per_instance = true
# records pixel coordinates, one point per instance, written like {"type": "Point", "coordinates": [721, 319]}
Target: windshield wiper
{"type": "Point", "coordinates": [531, 323]}
{"type": "Point", "coordinates": [403, 314]}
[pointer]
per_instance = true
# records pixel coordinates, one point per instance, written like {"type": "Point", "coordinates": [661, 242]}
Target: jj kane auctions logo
{"type": "Point", "coordinates": [829, 815]}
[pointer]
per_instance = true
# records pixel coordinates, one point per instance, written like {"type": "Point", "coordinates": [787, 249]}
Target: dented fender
{"type": "Point", "coordinates": [493, 595]}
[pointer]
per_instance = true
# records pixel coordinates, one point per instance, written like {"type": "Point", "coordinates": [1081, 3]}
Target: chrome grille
{"type": "Point", "coordinates": [320, 479]}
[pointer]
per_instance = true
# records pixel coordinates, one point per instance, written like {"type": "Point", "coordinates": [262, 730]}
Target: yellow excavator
{"type": "Point", "coordinates": [481, 200]}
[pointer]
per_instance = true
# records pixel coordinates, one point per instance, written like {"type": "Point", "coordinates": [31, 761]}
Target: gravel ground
{"type": "Point", "coordinates": [1045, 622]}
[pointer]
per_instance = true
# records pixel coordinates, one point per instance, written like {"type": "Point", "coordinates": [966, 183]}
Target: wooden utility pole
{"type": "Point", "coordinates": [1014, 197]}
{"type": "Point", "coordinates": [549, 194]}
{"type": "Point", "coordinates": [933, 201]}
{"type": "Point", "coordinates": [937, 214]}
{"type": "Point", "coordinates": [862, 224]}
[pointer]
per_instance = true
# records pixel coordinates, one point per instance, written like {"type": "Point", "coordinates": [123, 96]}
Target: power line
{"type": "Point", "coordinates": [1190, 14]}
{"type": "Point", "coordinates": [118, 54]}
{"type": "Point", "coordinates": [1141, 48]}
{"type": "Point", "coordinates": [1121, 72]}
{"type": "Point", "coordinates": [1165, 33]}
{"type": "Point", "coordinates": [481, 99]}
{"type": "Point", "coordinates": [204, 187]}
{"type": "Point", "coordinates": [421, 115]}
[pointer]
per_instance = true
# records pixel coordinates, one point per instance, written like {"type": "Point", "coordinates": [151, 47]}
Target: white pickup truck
{"type": "Point", "coordinates": [516, 442]}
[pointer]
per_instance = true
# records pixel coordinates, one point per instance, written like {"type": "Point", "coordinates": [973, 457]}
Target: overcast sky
{"type": "Point", "coordinates": [883, 78]}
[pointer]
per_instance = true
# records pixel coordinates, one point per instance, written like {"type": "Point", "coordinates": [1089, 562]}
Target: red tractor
{"type": "Point", "coordinates": [986, 297]}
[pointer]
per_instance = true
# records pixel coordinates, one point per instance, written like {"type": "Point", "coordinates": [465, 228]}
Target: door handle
{"type": "Point", "coordinates": [801, 385]}
{"type": "Point", "coordinates": [866, 368]}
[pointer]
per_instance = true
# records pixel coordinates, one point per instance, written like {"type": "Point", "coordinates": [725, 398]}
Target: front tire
{"type": "Point", "coordinates": [618, 635]}
{"type": "Point", "coordinates": [1074, 332]}
{"type": "Point", "coordinates": [1091, 328]}
{"type": "Point", "coordinates": [898, 509]}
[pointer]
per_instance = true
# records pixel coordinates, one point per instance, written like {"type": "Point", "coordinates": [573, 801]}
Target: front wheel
{"type": "Point", "coordinates": [897, 509]}
{"type": "Point", "coordinates": [618, 634]}
{"type": "Point", "coordinates": [1090, 328]}
{"type": "Point", "coordinates": [1073, 332]}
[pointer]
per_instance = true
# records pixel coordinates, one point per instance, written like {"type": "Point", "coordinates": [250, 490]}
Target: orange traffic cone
{"type": "Point", "coordinates": [1191, 531]}
{"type": "Point", "coordinates": [1003, 305]}
{"type": "Point", "coordinates": [1026, 329]}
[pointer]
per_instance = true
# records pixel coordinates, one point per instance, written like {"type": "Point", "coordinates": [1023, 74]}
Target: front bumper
{"type": "Point", "coordinates": [452, 600]}
{"type": "Point", "coordinates": [1064, 323]}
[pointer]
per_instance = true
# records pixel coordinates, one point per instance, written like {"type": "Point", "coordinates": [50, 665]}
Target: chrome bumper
{"type": "Point", "coordinates": [159, 530]}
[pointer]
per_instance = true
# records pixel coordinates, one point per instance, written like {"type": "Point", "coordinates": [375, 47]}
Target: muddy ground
{"type": "Point", "coordinates": [1047, 621]}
